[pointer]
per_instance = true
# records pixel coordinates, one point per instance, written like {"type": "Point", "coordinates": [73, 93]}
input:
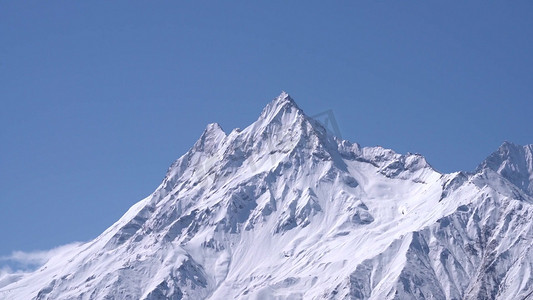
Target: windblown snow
{"type": "Point", "coordinates": [285, 210]}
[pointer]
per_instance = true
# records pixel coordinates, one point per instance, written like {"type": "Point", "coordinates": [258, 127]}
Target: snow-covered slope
{"type": "Point", "coordinates": [283, 210]}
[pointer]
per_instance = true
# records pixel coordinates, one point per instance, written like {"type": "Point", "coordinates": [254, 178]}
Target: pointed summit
{"type": "Point", "coordinates": [278, 116]}
{"type": "Point", "coordinates": [214, 128]}
{"type": "Point", "coordinates": [284, 98]}
{"type": "Point", "coordinates": [282, 116]}
{"type": "Point", "coordinates": [514, 163]}
{"type": "Point", "coordinates": [280, 104]}
{"type": "Point", "coordinates": [210, 138]}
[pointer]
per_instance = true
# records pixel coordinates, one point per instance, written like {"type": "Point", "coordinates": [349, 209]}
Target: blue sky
{"type": "Point", "coordinates": [98, 98]}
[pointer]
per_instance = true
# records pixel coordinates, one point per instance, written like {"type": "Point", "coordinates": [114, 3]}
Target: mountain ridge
{"type": "Point", "coordinates": [283, 209]}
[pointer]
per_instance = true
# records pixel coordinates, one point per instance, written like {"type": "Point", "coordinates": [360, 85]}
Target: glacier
{"type": "Point", "coordinates": [285, 210]}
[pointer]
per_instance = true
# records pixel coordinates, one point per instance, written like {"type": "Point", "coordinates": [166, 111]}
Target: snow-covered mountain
{"type": "Point", "coordinates": [284, 210]}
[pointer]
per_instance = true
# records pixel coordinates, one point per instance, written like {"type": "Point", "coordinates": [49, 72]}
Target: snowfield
{"type": "Point", "coordinates": [284, 210]}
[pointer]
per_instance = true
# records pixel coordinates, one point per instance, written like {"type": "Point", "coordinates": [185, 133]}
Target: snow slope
{"type": "Point", "coordinates": [284, 210]}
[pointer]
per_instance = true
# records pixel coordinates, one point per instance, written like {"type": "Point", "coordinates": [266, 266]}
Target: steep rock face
{"type": "Point", "coordinates": [284, 210]}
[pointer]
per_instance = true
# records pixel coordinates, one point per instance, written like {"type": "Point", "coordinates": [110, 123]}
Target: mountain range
{"type": "Point", "coordinates": [283, 209]}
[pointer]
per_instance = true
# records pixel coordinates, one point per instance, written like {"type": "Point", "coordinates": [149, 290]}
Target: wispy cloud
{"type": "Point", "coordinates": [13, 267]}
{"type": "Point", "coordinates": [25, 261]}
{"type": "Point", "coordinates": [8, 276]}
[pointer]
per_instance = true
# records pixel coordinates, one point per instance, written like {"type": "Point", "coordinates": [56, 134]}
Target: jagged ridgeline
{"type": "Point", "coordinates": [284, 210]}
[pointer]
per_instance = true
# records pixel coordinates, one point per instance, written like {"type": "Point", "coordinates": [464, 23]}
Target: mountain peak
{"type": "Point", "coordinates": [280, 104]}
{"type": "Point", "coordinates": [210, 138]}
{"type": "Point", "coordinates": [283, 210]}
{"type": "Point", "coordinates": [214, 128]}
{"type": "Point", "coordinates": [508, 146]}
{"type": "Point", "coordinates": [284, 97]}
{"type": "Point", "coordinates": [514, 163]}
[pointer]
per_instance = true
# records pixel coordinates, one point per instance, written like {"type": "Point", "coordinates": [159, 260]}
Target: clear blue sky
{"type": "Point", "coordinates": [99, 97]}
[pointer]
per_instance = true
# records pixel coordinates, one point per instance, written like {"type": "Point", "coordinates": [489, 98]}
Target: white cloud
{"type": "Point", "coordinates": [13, 267]}
{"type": "Point", "coordinates": [31, 259]}
{"type": "Point", "coordinates": [8, 276]}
